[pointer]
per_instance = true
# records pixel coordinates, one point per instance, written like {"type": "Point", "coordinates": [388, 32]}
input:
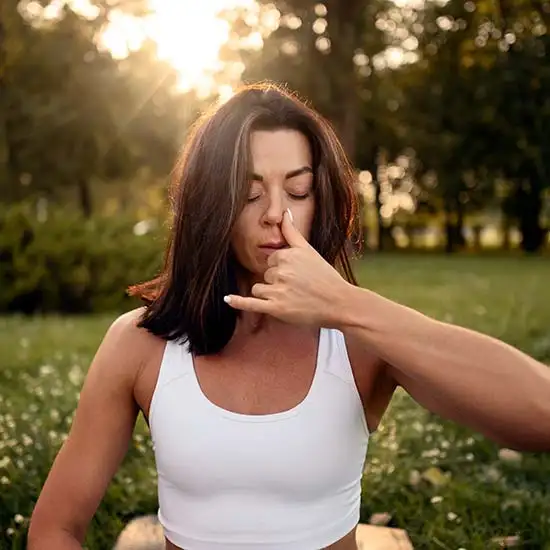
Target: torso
{"type": "Point", "coordinates": [233, 381]}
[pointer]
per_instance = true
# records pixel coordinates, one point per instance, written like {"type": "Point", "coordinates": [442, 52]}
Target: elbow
{"type": "Point", "coordinates": [40, 536]}
{"type": "Point", "coordinates": [37, 537]}
{"type": "Point", "coordinates": [536, 434]}
{"type": "Point", "coordinates": [537, 442]}
{"type": "Point", "coordinates": [37, 532]}
{"type": "Point", "coordinates": [46, 535]}
{"type": "Point", "coordinates": [529, 445]}
{"type": "Point", "coordinates": [531, 437]}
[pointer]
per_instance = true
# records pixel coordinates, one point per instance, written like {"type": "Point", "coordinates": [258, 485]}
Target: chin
{"type": "Point", "coordinates": [258, 272]}
{"type": "Point", "coordinates": [254, 269]}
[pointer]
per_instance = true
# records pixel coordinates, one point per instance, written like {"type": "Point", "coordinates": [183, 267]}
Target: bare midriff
{"type": "Point", "coordinates": [347, 542]}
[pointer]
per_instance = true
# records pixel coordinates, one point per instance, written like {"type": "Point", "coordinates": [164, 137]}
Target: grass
{"type": "Point", "coordinates": [443, 483]}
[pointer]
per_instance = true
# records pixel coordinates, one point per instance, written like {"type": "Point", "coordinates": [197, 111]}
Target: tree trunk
{"type": "Point", "coordinates": [451, 243]}
{"type": "Point", "coordinates": [345, 36]}
{"type": "Point", "coordinates": [505, 229]}
{"type": "Point", "coordinates": [529, 208]}
{"type": "Point", "coordinates": [528, 196]}
{"type": "Point", "coordinates": [85, 197]}
{"type": "Point", "coordinates": [383, 233]}
{"type": "Point", "coordinates": [460, 239]}
{"type": "Point", "coordinates": [477, 229]}
{"type": "Point", "coordinates": [381, 230]}
{"type": "Point", "coordinates": [454, 224]}
{"type": "Point", "coordinates": [3, 113]}
{"type": "Point", "coordinates": [8, 186]}
{"type": "Point", "coordinates": [348, 122]}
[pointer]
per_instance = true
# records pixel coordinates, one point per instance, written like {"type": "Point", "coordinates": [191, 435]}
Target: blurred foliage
{"type": "Point", "coordinates": [72, 115]}
{"type": "Point", "coordinates": [68, 263]}
{"type": "Point", "coordinates": [484, 95]}
{"type": "Point", "coordinates": [443, 106]}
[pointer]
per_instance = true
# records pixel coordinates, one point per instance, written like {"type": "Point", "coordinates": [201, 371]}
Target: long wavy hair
{"type": "Point", "coordinates": [207, 194]}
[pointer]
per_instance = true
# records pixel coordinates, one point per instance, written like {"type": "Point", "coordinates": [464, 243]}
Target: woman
{"type": "Point", "coordinates": [259, 364]}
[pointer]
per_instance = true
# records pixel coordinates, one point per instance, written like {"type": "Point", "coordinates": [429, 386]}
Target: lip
{"type": "Point", "coordinates": [273, 246]}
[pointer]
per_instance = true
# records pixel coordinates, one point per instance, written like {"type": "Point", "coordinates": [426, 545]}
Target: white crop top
{"type": "Point", "coordinates": [284, 481]}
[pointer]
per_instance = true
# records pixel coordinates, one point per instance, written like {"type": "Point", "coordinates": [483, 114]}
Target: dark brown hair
{"type": "Point", "coordinates": [208, 193]}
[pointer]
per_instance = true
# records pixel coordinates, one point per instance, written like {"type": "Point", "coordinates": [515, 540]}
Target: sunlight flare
{"type": "Point", "coordinates": [188, 35]}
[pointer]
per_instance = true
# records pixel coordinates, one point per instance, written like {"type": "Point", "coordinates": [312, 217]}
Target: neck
{"type": "Point", "coordinates": [249, 322]}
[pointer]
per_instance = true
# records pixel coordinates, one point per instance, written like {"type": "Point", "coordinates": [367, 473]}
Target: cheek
{"type": "Point", "coordinates": [242, 235]}
{"type": "Point", "coordinates": [238, 238]}
{"type": "Point", "coordinates": [303, 217]}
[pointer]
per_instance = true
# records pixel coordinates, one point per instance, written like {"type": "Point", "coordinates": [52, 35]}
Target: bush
{"type": "Point", "coordinates": [71, 264]}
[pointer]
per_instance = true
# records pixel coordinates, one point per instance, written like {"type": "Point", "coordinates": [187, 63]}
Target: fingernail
{"type": "Point", "coordinates": [227, 299]}
{"type": "Point", "coordinates": [290, 215]}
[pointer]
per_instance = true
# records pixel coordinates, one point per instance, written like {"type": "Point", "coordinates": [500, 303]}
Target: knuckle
{"type": "Point", "coordinates": [275, 258]}
{"type": "Point", "coordinates": [256, 291]}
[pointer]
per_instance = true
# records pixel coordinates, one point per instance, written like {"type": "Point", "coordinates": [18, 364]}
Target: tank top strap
{"type": "Point", "coordinates": [176, 362]}
{"type": "Point", "coordinates": [335, 356]}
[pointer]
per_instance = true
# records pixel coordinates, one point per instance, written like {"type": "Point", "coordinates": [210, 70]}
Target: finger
{"type": "Point", "coordinates": [275, 258]}
{"type": "Point", "coordinates": [291, 234]}
{"type": "Point", "coordinates": [261, 290]}
{"type": "Point", "coordinates": [256, 305]}
{"type": "Point", "coordinates": [270, 275]}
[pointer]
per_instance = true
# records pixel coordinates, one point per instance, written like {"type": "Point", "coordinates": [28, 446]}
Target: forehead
{"type": "Point", "coordinates": [276, 150]}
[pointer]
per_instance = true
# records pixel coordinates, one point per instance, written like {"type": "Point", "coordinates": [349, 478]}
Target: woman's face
{"type": "Point", "coordinates": [281, 178]}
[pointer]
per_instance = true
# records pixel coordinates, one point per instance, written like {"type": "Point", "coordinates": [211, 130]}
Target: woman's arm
{"type": "Point", "coordinates": [458, 373]}
{"type": "Point", "coordinates": [97, 442]}
{"type": "Point", "coordinates": [461, 374]}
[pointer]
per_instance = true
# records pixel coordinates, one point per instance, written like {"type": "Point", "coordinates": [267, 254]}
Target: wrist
{"type": "Point", "coordinates": [361, 308]}
{"type": "Point", "coordinates": [345, 311]}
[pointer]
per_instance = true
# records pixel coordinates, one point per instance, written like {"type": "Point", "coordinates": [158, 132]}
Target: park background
{"type": "Point", "coordinates": [444, 108]}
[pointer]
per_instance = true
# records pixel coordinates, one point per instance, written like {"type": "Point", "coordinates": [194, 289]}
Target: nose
{"type": "Point", "coordinates": [275, 208]}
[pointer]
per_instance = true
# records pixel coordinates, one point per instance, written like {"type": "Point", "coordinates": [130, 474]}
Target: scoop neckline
{"type": "Point", "coordinates": [270, 417]}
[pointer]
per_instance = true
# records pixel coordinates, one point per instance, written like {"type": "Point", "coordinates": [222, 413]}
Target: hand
{"type": "Point", "coordinates": [300, 286]}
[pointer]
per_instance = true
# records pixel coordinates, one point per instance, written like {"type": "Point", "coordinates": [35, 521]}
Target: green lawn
{"type": "Point", "coordinates": [446, 485]}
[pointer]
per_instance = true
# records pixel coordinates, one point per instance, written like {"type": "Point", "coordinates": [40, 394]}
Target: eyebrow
{"type": "Point", "coordinates": [288, 175]}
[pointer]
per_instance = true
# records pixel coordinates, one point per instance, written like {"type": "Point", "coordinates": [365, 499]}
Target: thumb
{"type": "Point", "coordinates": [291, 234]}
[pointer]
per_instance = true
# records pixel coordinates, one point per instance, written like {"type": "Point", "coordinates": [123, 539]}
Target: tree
{"type": "Point", "coordinates": [74, 115]}
{"type": "Point", "coordinates": [483, 108]}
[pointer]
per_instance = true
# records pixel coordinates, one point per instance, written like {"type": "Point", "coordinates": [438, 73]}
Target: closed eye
{"type": "Point", "coordinates": [299, 197]}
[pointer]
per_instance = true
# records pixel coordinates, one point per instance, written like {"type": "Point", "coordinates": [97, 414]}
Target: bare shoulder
{"type": "Point", "coordinates": [125, 327]}
{"type": "Point", "coordinates": [128, 346]}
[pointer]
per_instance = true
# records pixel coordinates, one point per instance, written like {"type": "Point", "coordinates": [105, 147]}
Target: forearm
{"type": "Point", "coordinates": [464, 375]}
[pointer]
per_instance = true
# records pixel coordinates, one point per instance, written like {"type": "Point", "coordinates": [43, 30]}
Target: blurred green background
{"type": "Point", "coordinates": [444, 108]}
